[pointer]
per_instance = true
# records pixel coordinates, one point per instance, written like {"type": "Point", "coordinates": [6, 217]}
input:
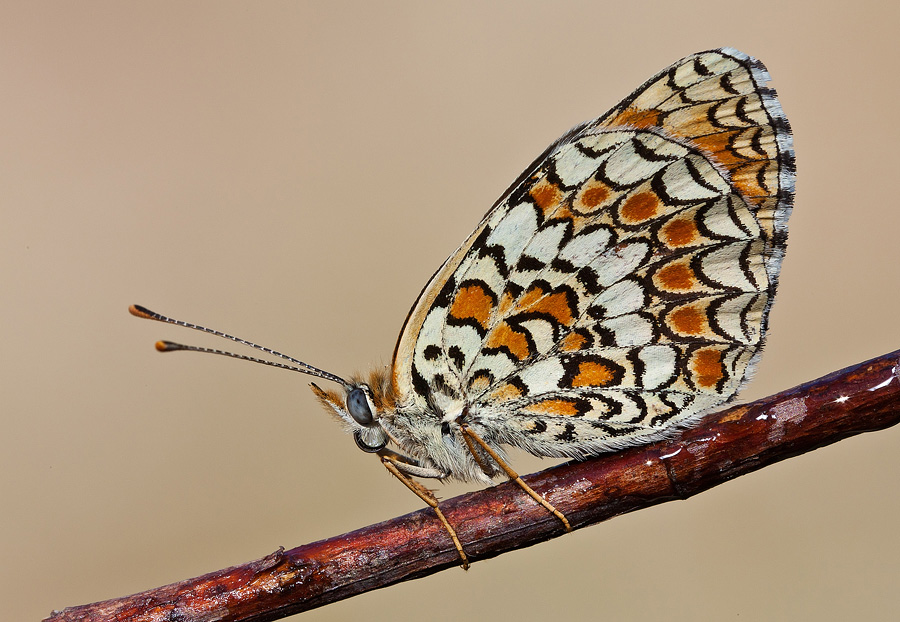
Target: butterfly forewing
{"type": "Point", "coordinates": [621, 287]}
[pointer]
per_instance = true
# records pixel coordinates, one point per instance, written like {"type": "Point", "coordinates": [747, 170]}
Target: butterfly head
{"type": "Point", "coordinates": [361, 406]}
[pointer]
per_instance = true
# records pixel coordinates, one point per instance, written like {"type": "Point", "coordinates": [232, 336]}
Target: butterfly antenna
{"type": "Point", "coordinates": [169, 346]}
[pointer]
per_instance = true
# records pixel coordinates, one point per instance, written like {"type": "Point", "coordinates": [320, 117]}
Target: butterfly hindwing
{"type": "Point", "coordinates": [621, 287]}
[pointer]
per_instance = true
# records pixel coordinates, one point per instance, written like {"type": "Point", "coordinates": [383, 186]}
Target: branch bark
{"type": "Point", "coordinates": [727, 444]}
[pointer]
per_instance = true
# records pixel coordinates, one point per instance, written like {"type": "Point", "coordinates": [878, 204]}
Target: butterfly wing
{"type": "Point", "coordinates": [621, 287]}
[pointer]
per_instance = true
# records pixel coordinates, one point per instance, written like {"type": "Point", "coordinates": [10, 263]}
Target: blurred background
{"type": "Point", "coordinates": [293, 172]}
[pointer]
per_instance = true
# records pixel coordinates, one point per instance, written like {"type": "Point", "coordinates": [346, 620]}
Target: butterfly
{"type": "Point", "coordinates": [614, 294]}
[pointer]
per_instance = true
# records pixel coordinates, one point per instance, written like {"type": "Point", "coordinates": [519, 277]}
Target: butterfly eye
{"type": "Point", "coordinates": [369, 449]}
{"type": "Point", "coordinates": [358, 405]}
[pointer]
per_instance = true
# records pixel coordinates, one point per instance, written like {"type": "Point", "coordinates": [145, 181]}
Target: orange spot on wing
{"type": "Point", "coordinates": [563, 211]}
{"type": "Point", "coordinates": [746, 178]}
{"type": "Point", "coordinates": [546, 195]}
{"type": "Point", "coordinates": [473, 302]}
{"type": "Point", "coordinates": [676, 277]}
{"type": "Point", "coordinates": [688, 320]}
{"type": "Point", "coordinates": [708, 367]}
{"type": "Point", "coordinates": [592, 374]}
{"type": "Point", "coordinates": [593, 195]}
{"type": "Point", "coordinates": [679, 232]}
{"type": "Point", "coordinates": [505, 393]}
{"type": "Point", "coordinates": [572, 342]}
{"type": "Point", "coordinates": [744, 170]}
{"type": "Point", "coordinates": [559, 407]}
{"type": "Point", "coordinates": [531, 296]}
{"type": "Point", "coordinates": [719, 145]}
{"type": "Point", "coordinates": [640, 207]}
{"type": "Point", "coordinates": [637, 118]}
{"type": "Point", "coordinates": [503, 336]}
{"type": "Point", "coordinates": [555, 305]}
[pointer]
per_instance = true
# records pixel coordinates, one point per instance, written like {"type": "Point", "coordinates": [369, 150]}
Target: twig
{"type": "Point", "coordinates": [489, 522]}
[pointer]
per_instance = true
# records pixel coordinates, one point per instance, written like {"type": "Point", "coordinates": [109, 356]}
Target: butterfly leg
{"type": "Point", "coordinates": [393, 463]}
{"type": "Point", "coordinates": [469, 435]}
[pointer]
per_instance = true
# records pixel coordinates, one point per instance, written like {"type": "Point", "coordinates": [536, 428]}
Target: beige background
{"type": "Point", "coordinates": [293, 172]}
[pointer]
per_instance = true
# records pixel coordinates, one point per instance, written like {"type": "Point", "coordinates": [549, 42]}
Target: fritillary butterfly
{"type": "Point", "coordinates": [615, 293]}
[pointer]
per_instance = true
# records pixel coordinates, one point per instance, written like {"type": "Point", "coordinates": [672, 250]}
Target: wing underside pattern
{"type": "Point", "coordinates": [621, 287]}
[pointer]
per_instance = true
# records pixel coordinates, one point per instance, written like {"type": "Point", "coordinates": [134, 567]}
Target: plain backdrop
{"type": "Point", "coordinates": [293, 172]}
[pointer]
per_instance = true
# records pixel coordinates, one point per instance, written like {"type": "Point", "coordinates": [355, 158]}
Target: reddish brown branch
{"type": "Point", "coordinates": [490, 522]}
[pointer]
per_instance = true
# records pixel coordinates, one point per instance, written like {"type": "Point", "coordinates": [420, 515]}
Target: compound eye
{"type": "Point", "coordinates": [358, 406]}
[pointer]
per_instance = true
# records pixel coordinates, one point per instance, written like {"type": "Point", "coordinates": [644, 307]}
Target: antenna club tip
{"type": "Point", "coordinates": [139, 311]}
{"type": "Point", "coordinates": [164, 346]}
